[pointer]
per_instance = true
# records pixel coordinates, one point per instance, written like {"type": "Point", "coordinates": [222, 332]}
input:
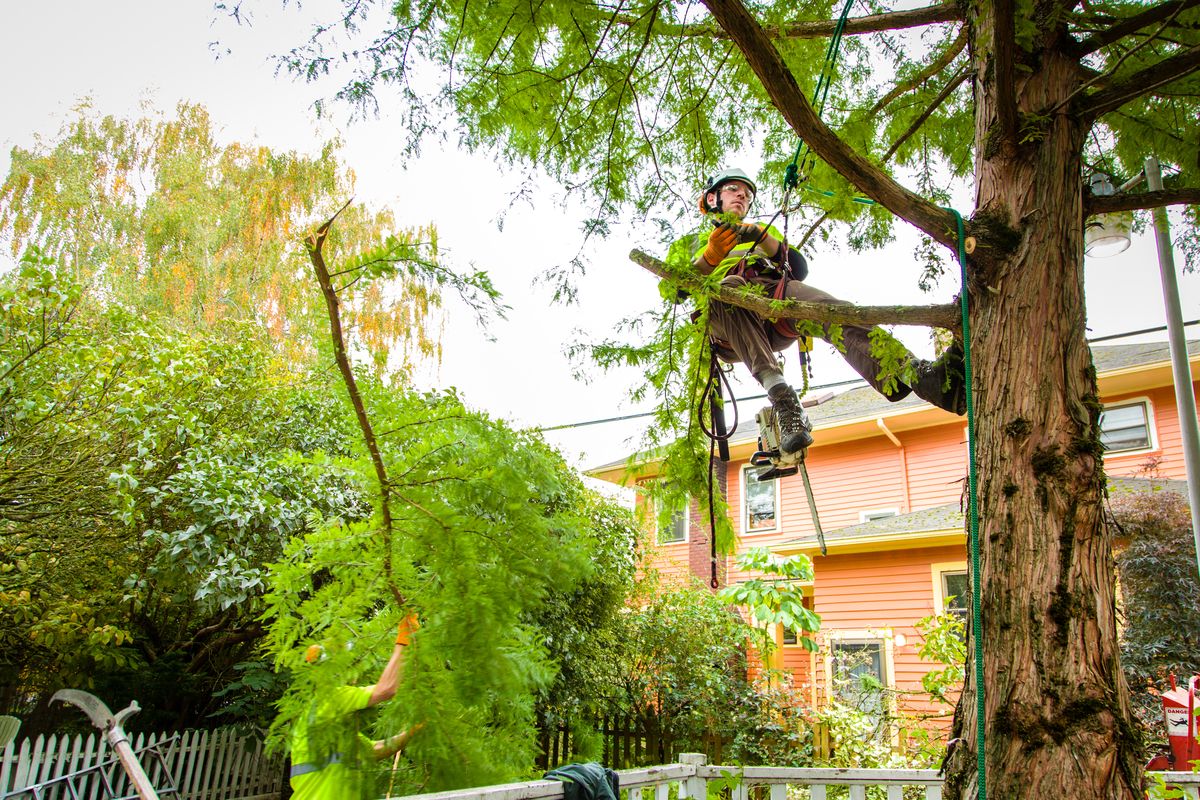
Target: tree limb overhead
{"type": "Point", "coordinates": [855, 26]}
{"type": "Point", "coordinates": [940, 316]}
{"type": "Point", "coordinates": [1093, 204]}
{"type": "Point", "coordinates": [1133, 24]}
{"type": "Point", "coordinates": [1140, 83]}
{"type": "Point", "coordinates": [785, 93]}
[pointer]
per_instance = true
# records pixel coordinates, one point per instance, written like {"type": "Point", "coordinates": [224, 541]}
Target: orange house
{"type": "Point", "coordinates": [888, 479]}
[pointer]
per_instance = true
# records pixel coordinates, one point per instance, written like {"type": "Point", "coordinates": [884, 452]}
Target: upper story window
{"type": "Point", "coordinates": [676, 527]}
{"type": "Point", "coordinates": [760, 502]}
{"type": "Point", "coordinates": [954, 593]}
{"type": "Point", "coordinates": [1127, 426]}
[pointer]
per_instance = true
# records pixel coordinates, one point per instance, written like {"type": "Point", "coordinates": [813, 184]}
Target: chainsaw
{"type": "Point", "coordinates": [773, 463]}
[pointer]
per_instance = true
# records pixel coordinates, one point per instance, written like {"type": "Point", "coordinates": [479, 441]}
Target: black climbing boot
{"type": "Point", "coordinates": [793, 423]}
{"type": "Point", "coordinates": [941, 382]}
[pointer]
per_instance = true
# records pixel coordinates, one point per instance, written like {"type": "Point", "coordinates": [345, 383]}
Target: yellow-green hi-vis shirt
{"type": "Point", "coordinates": [327, 749]}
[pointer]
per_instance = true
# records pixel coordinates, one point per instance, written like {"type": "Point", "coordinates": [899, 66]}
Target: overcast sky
{"type": "Point", "coordinates": [121, 54]}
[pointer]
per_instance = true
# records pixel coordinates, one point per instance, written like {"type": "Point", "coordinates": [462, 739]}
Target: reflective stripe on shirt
{"type": "Point", "coordinates": [304, 769]}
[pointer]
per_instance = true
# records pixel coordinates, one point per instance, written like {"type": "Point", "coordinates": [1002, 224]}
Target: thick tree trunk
{"type": "Point", "coordinates": [1057, 717]}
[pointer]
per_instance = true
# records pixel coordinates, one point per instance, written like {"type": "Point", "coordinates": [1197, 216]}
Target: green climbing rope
{"type": "Point", "coordinates": [972, 506]}
{"type": "Point", "coordinates": [824, 81]}
{"type": "Point", "coordinates": [973, 511]}
{"type": "Point", "coordinates": [791, 181]}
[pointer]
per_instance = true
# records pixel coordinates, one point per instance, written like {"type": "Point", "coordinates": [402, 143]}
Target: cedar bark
{"type": "Point", "coordinates": [1057, 716]}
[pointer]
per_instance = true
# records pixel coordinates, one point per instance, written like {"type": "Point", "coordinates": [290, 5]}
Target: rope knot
{"type": "Point", "coordinates": [791, 177]}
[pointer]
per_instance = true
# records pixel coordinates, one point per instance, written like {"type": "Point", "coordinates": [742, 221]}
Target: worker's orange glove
{"type": "Point", "coordinates": [723, 238]}
{"type": "Point", "coordinates": [408, 627]}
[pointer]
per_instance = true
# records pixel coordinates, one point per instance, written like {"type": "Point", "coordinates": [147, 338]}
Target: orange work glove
{"type": "Point", "coordinates": [723, 238]}
{"type": "Point", "coordinates": [408, 627]}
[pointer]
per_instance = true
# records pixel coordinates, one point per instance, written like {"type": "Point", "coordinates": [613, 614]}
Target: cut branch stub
{"type": "Point", "coordinates": [935, 316]}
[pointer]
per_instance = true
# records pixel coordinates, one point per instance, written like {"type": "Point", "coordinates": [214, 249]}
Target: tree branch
{"type": "Point", "coordinates": [874, 23]}
{"type": "Point", "coordinates": [785, 93]}
{"type": "Point", "coordinates": [1003, 45]}
{"type": "Point", "coordinates": [941, 316]}
{"type": "Point", "coordinates": [314, 244]}
{"type": "Point", "coordinates": [1131, 25]}
{"type": "Point", "coordinates": [946, 91]}
{"type": "Point", "coordinates": [1139, 83]}
{"type": "Point", "coordinates": [855, 26]}
{"type": "Point", "coordinates": [941, 62]}
{"type": "Point", "coordinates": [1093, 204]}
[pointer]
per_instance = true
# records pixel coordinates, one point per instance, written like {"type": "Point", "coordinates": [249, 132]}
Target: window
{"type": "Point", "coordinates": [676, 528]}
{"type": "Point", "coordinates": [1126, 427]}
{"type": "Point", "coordinates": [879, 513]}
{"type": "Point", "coordinates": [760, 502]}
{"type": "Point", "coordinates": [859, 679]}
{"type": "Point", "coordinates": [951, 590]}
{"type": "Point", "coordinates": [954, 594]}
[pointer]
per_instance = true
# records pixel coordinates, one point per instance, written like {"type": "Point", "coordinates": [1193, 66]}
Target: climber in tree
{"type": "Point", "coordinates": [746, 253]}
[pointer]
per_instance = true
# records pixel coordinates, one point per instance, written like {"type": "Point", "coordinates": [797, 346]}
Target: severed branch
{"type": "Point", "coordinates": [1139, 83]}
{"type": "Point", "coordinates": [313, 244]}
{"type": "Point", "coordinates": [1093, 204]}
{"type": "Point", "coordinates": [763, 57]}
{"type": "Point", "coordinates": [940, 316]}
{"type": "Point", "coordinates": [1132, 24]}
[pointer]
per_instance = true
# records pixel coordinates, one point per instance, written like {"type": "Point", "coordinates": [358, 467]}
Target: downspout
{"type": "Point", "coordinates": [903, 461]}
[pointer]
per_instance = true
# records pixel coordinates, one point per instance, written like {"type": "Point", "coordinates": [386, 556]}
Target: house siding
{"type": "Point", "coordinates": [893, 588]}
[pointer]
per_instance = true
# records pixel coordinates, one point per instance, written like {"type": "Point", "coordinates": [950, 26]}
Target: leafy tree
{"type": "Point", "coordinates": [158, 214]}
{"type": "Point", "coordinates": [1160, 601]}
{"type": "Point", "coordinates": [1023, 100]}
{"type": "Point", "coordinates": [148, 475]}
{"type": "Point", "coordinates": [492, 530]}
{"type": "Point", "coordinates": [775, 598]}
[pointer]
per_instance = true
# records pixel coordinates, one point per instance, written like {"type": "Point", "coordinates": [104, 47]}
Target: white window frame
{"type": "Point", "coordinates": [887, 640]}
{"type": "Point", "coordinates": [687, 526]}
{"type": "Point", "coordinates": [1151, 428]}
{"type": "Point", "coordinates": [747, 479]}
{"type": "Point", "coordinates": [939, 593]}
{"type": "Point", "coordinates": [882, 513]}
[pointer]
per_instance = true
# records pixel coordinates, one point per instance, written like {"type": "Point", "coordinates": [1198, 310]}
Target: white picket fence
{"type": "Point", "coordinates": [202, 765]}
{"type": "Point", "coordinates": [691, 775]}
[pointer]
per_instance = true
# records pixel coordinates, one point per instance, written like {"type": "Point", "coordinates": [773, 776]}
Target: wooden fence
{"type": "Point", "coordinates": [201, 765]}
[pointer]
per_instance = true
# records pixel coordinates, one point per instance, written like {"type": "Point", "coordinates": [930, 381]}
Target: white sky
{"type": "Point", "coordinates": [123, 52]}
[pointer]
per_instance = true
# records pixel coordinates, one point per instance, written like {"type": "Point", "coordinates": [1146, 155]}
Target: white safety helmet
{"type": "Point", "coordinates": [720, 179]}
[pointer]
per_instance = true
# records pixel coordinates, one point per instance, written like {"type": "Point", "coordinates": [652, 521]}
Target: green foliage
{"type": "Point", "coordinates": [777, 599]}
{"type": "Point", "coordinates": [152, 473]}
{"type": "Point", "coordinates": [1160, 597]}
{"type": "Point", "coordinates": [157, 214]}
{"type": "Point", "coordinates": [680, 664]}
{"type": "Point", "coordinates": [944, 641]}
{"type": "Point", "coordinates": [492, 531]}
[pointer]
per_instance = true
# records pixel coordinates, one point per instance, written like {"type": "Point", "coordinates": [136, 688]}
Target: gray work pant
{"type": "Point", "coordinates": [754, 341]}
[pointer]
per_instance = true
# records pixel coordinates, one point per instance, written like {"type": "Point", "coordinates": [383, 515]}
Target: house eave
{"type": "Point", "coordinates": [909, 540]}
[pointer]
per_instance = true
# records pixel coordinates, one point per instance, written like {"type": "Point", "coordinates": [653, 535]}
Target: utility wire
{"type": "Point", "coordinates": [586, 423]}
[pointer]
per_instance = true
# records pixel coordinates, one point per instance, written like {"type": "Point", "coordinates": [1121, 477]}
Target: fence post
{"type": "Point", "coordinates": [694, 787]}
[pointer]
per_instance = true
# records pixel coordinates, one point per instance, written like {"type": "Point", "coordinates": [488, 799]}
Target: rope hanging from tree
{"type": "Point", "coordinates": [797, 172]}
